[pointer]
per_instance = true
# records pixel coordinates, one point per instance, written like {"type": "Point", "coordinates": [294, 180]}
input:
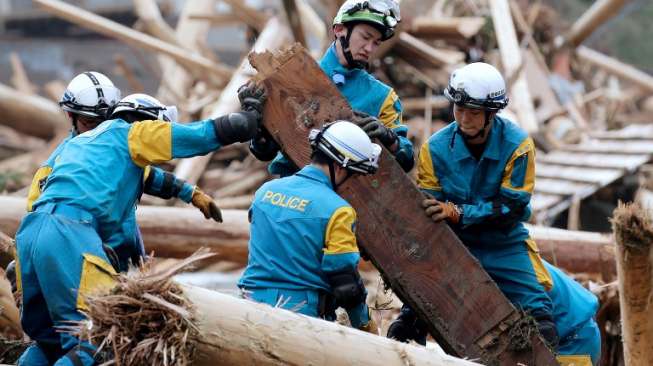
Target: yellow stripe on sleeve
{"type": "Point", "coordinates": [388, 114]}
{"type": "Point", "coordinates": [426, 177]}
{"type": "Point", "coordinates": [541, 273]}
{"type": "Point", "coordinates": [340, 237]}
{"type": "Point", "coordinates": [150, 142]}
{"type": "Point", "coordinates": [527, 150]}
{"type": "Point", "coordinates": [35, 189]}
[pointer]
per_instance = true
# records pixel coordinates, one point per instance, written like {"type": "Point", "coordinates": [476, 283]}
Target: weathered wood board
{"type": "Point", "coordinates": [423, 262]}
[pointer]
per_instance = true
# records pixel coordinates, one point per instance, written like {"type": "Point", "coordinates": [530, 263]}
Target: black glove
{"type": "Point", "coordinates": [548, 330]}
{"type": "Point", "coordinates": [252, 97]}
{"type": "Point", "coordinates": [408, 327]}
{"type": "Point", "coordinates": [374, 128]}
{"type": "Point", "coordinates": [263, 146]}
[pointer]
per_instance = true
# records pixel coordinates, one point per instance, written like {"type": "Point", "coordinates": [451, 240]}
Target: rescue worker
{"type": "Point", "coordinates": [95, 182]}
{"type": "Point", "coordinates": [479, 173]}
{"type": "Point", "coordinates": [360, 26]}
{"type": "Point", "coordinates": [86, 108]}
{"type": "Point", "coordinates": [302, 248]}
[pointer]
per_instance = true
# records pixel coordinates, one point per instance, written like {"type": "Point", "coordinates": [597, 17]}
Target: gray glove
{"type": "Point", "coordinates": [374, 128]}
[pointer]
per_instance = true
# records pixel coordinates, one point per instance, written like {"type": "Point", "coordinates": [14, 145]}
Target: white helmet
{"type": "Point", "coordinates": [479, 86]}
{"type": "Point", "coordinates": [348, 145]}
{"type": "Point", "coordinates": [90, 94]}
{"type": "Point", "coordinates": [147, 106]}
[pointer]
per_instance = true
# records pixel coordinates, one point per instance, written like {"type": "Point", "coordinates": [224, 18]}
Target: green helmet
{"type": "Point", "coordinates": [382, 14]}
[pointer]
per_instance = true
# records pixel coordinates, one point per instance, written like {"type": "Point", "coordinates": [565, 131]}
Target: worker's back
{"type": "Point", "coordinates": [95, 172]}
{"type": "Point", "coordinates": [289, 219]}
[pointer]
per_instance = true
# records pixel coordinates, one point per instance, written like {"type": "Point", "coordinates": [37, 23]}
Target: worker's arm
{"type": "Point", "coordinates": [512, 202]}
{"type": "Point", "coordinates": [340, 266]}
{"type": "Point", "coordinates": [162, 184]}
{"type": "Point", "coordinates": [153, 142]}
{"type": "Point", "coordinates": [427, 179]}
{"type": "Point", "coordinates": [159, 183]}
{"type": "Point", "coordinates": [391, 116]}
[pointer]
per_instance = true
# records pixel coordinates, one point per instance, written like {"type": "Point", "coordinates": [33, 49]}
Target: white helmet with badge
{"type": "Point", "coordinates": [479, 86]}
{"type": "Point", "coordinates": [90, 94]}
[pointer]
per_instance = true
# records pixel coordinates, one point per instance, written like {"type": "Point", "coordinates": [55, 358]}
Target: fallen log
{"type": "Point", "coordinates": [616, 67]}
{"type": "Point", "coordinates": [273, 36]}
{"type": "Point", "coordinates": [30, 114]}
{"type": "Point", "coordinates": [414, 49]}
{"type": "Point", "coordinates": [449, 28]}
{"type": "Point", "coordinates": [7, 250]}
{"type": "Point", "coordinates": [577, 251]}
{"type": "Point", "coordinates": [194, 62]}
{"type": "Point", "coordinates": [9, 315]}
{"type": "Point", "coordinates": [600, 12]}
{"type": "Point", "coordinates": [465, 311]}
{"type": "Point", "coordinates": [634, 236]}
{"type": "Point", "coordinates": [167, 231]}
{"type": "Point", "coordinates": [182, 319]}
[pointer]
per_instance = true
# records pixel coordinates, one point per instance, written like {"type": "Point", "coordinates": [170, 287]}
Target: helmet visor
{"type": "Point", "coordinates": [462, 99]}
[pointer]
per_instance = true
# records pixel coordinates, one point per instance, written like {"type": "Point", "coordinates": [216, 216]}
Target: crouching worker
{"type": "Point", "coordinates": [95, 182]}
{"type": "Point", "coordinates": [303, 254]}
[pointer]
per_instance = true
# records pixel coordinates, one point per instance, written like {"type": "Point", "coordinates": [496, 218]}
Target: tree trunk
{"type": "Point", "coordinates": [30, 114]}
{"type": "Point", "coordinates": [240, 332]}
{"type": "Point", "coordinates": [634, 236]}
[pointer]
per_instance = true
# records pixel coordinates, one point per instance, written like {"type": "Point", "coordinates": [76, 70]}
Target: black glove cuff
{"type": "Point", "coordinates": [236, 127]}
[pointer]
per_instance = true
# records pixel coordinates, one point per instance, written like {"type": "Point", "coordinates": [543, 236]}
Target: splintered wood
{"type": "Point", "coordinates": [634, 234]}
{"type": "Point", "coordinates": [466, 312]}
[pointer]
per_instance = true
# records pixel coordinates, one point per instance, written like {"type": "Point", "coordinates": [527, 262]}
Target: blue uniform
{"type": "Point", "coordinates": [366, 94]}
{"type": "Point", "coordinates": [127, 242]}
{"type": "Point", "coordinates": [301, 230]}
{"type": "Point", "coordinates": [94, 184]}
{"type": "Point", "coordinates": [494, 194]}
{"type": "Point", "coordinates": [574, 308]}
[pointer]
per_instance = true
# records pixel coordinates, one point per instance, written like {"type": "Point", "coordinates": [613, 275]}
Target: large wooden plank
{"type": "Point", "coordinates": [631, 132]}
{"type": "Point", "coordinates": [563, 187]}
{"type": "Point", "coordinates": [424, 262]}
{"type": "Point", "coordinates": [578, 174]}
{"type": "Point", "coordinates": [542, 201]}
{"type": "Point", "coordinates": [612, 146]}
{"type": "Point", "coordinates": [593, 160]}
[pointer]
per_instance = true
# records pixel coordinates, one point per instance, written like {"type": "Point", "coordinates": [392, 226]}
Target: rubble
{"type": "Point", "coordinates": [585, 109]}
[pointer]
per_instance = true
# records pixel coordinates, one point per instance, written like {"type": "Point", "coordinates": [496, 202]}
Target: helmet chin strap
{"type": "Point", "coordinates": [480, 132]}
{"type": "Point", "coordinates": [75, 129]}
{"type": "Point", "coordinates": [332, 176]}
{"type": "Point", "coordinates": [344, 43]}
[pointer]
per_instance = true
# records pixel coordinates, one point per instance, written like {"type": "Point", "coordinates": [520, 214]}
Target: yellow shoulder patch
{"type": "Point", "coordinates": [339, 237]}
{"type": "Point", "coordinates": [527, 150]}
{"type": "Point", "coordinates": [150, 142]}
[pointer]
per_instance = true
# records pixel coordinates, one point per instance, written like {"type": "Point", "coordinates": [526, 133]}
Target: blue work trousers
{"type": "Point", "coordinates": [60, 260]}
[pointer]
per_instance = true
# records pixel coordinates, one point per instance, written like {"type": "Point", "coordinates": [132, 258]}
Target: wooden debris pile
{"type": "Point", "coordinates": [584, 108]}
